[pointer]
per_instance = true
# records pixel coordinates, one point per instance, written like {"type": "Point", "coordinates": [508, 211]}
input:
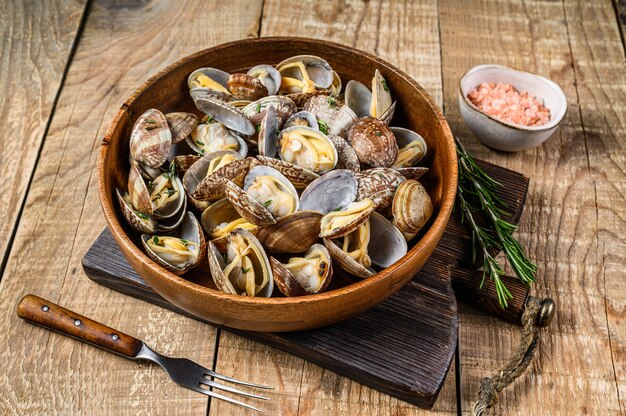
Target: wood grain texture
{"type": "Point", "coordinates": [573, 373]}
{"type": "Point", "coordinates": [599, 66]}
{"type": "Point", "coordinates": [402, 32]}
{"type": "Point", "coordinates": [33, 58]}
{"type": "Point", "coordinates": [122, 45]}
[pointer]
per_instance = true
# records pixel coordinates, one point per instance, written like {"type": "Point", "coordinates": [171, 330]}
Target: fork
{"type": "Point", "coordinates": [181, 370]}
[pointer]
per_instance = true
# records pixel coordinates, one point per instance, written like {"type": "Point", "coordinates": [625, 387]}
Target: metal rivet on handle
{"type": "Point", "coordinates": [115, 337]}
{"type": "Point", "coordinates": [77, 322]}
{"type": "Point", "coordinates": [45, 308]}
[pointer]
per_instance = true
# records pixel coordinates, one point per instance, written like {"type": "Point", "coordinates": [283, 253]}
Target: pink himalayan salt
{"type": "Point", "coordinates": [504, 102]}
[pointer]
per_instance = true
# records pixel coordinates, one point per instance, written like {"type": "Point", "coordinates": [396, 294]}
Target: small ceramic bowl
{"type": "Point", "coordinates": [502, 135]}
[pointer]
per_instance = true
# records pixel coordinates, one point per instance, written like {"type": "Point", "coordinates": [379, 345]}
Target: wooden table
{"type": "Point", "coordinates": [67, 65]}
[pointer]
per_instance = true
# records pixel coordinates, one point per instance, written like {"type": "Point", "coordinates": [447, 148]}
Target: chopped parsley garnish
{"type": "Point", "coordinates": [244, 270]}
{"type": "Point", "coordinates": [199, 142]}
{"type": "Point", "coordinates": [156, 241]}
{"type": "Point", "coordinates": [322, 126]}
{"type": "Point", "coordinates": [170, 191]}
{"type": "Point", "coordinates": [258, 128]}
{"type": "Point", "coordinates": [267, 203]}
{"type": "Point", "coordinates": [385, 86]}
{"type": "Point", "coordinates": [225, 257]}
{"type": "Point", "coordinates": [151, 128]}
{"type": "Point", "coordinates": [277, 131]}
{"type": "Point", "coordinates": [258, 107]}
{"type": "Point", "coordinates": [142, 215]}
{"type": "Point", "coordinates": [150, 121]}
{"type": "Point", "coordinates": [339, 208]}
{"type": "Point", "coordinates": [331, 102]}
{"type": "Point", "coordinates": [378, 133]}
{"type": "Point", "coordinates": [185, 242]}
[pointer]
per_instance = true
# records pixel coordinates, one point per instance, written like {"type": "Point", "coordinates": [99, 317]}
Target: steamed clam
{"type": "Point", "coordinates": [177, 254]}
{"type": "Point", "coordinates": [376, 102]}
{"type": "Point", "coordinates": [278, 163]}
{"type": "Point", "coordinates": [214, 136]}
{"type": "Point", "coordinates": [244, 268]}
{"type": "Point", "coordinates": [308, 148]}
{"type": "Point", "coordinates": [411, 147]}
{"type": "Point", "coordinates": [305, 275]}
{"type": "Point", "coordinates": [304, 74]}
{"type": "Point", "coordinates": [265, 196]}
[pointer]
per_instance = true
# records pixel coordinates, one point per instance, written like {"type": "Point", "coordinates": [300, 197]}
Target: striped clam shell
{"type": "Point", "coordinates": [151, 139]}
{"type": "Point", "coordinates": [379, 185]}
{"type": "Point", "coordinates": [181, 125]}
{"type": "Point", "coordinates": [374, 143]}
{"type": "Point", "coordinates": [337, 116]}
{"type": "Point", "coordinates": [246, 87]}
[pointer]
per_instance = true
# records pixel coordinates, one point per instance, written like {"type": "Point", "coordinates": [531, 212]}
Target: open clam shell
{"type": "Point", "coordinates": [213, 81]}
{"type": "Point", "coordinates": [246, 87]}
{"type": "Point", "coordinates": [230, 116]}
{"type": "Point", "coordinates": [269, 77]}
{"type": "Point", "coordinates": [411, 147]}
{"type": "Point", "coordinates": [308, 148]}
{"type": "Point", "coordinates": [212, 137]}
{"type": "Point", "coordinates": [335, 88]}
{"type": "Point", "coordinates": [139, 197]}
{"type": "Point", "coordinates": [335, 189]}
{"type": "Point", "coordinates": [147, 172]}
{"type": "Point", "coordinates": [374, 143]}
{"type": "Point", "coordinates": [167, 195]}
{"type": "Point", "coordinates": [412, 208]}
{"type": "Point", "coordinates": [387, 244]}
{"type": "Point", "coordinates": [181, 125]}
{"type": "Point", "coordinates": [302, 119]}
{"type": "Point", "coordinates": [304, 73]}
{"type": "Point", "coordinates": [167, 225]}
{"type": "Point", "coordinates": [334, 117]}
{"type": "Point", "coordinates": [139, 221]}
{"type": "Point", "coordinates": [219, 219]}
{"type": "Point", "coordinates": [204, 179]}
{"type": "Point", "coordinates": [299, 177]}
{"type": "Point", "coordinates": [304, 275]}
{"type": "Point", "coordinates": [255, 111]}
{"type": "Point", "coordinates": [293, 233]}
{"type": "Point", "coordinates": [379, 185]}
{"type": "Point", "coordinates": [346, 156]}
{"type": "Point", "coordinates": [344, 221]}
{"type": "Point", "coordinates": [244, 269]}
{"type": "Point", "coordinates": [177, 254]}
{"type": "Point", "coordinates": [376, 102]}
{"type": "Point", "coordinates": [150, 139]}
{"type": "Point", "coordinates": [258, 183]}
{"type": "Point", "coordinates": [345, 262]}
{"type": "Point", "coordinates": [268, 133]}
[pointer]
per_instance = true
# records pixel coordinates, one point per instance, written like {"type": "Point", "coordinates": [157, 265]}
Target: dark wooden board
{"type": "Point", "coordinates": [402, 347]}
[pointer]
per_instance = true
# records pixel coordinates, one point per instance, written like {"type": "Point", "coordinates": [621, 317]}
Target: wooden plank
{"type": "Point", "coordinates": [406, 34]}
{"type": "Point", "coordinates": [122, 44]}
{"type": "Point", "coordinates": [573, 373]}
{"type": "Point", "coordinates": [601, 85]}
{"type": "Point", "coordinates": [33, 58]}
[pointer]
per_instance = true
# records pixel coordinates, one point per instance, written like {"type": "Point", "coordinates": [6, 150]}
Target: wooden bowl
{"type": "Point", "coordinates": [195, 292]}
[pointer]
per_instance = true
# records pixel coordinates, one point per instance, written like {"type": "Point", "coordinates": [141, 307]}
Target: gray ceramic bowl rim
{"type": "Point", "coordinates": [553, 121]}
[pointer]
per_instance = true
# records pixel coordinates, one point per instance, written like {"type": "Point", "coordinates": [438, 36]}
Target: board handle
{"type": "Point", "coordinates": [49, 315]}
{"type": "Point", "coordinates": [466, 284]}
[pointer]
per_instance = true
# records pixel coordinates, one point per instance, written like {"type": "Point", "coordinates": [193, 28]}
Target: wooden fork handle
{"type": "Point", "coordinates": [51, 316]}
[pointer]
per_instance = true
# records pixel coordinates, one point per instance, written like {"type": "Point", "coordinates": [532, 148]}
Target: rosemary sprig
{"type": "Point", "coordinates": [477, 193]}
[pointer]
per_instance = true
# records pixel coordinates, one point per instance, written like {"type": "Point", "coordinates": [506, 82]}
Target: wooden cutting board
{"type": "Point", "coordinates": [402, 347]}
